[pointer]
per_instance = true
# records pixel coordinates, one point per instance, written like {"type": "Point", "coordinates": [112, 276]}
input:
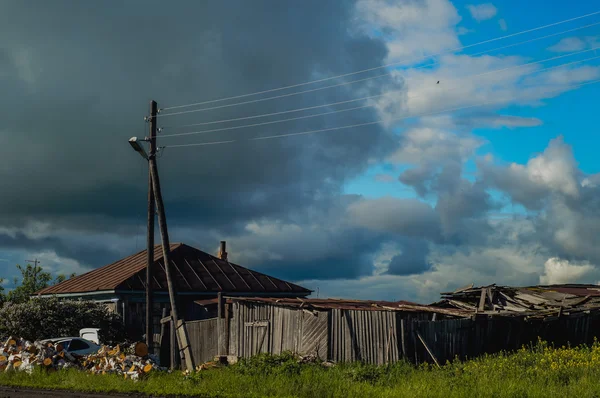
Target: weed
{"type": "Point", "coordinates": [536, 371]}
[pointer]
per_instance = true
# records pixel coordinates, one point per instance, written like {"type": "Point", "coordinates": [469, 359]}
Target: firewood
{"type": "Point", "coordinates": [141, 349]}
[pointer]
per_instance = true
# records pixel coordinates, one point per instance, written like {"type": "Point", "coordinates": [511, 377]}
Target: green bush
{"type": "Point", "coordinates": [266, 364]}
{"type": "Point", "coordinates": [42, 318]}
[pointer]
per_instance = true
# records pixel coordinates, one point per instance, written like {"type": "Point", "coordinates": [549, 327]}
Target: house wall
{"type": "Point", "coordinates": [135, 312]}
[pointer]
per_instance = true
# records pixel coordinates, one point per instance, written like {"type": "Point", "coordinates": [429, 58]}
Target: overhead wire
{"type": "Point", "coordinates": [389, 93]}
{"type": "Point", "coordinates": [378, 76]}
{"type": "Point", "coordinates": [363, 124]}
{"type": "Point", "coordinates": [379, 67]}
{"type": "Point", "coordinates": [295, 93]}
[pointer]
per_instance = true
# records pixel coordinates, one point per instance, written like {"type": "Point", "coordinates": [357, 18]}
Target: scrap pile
{"type": "Point", "coordinates": [533, 302]}
{"type": "Point", "coordinates": [132, 361]}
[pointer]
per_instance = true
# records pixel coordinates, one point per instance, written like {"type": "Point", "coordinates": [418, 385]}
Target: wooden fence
{"type": "Point", "coordinates": [376, 337]}
{"type": "Point", "coordinates": [203, 338]}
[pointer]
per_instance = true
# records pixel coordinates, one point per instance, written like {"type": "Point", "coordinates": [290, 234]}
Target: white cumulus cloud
{"type": "Point", "coordinates": [482, 12]}
{"type": "Point", "coordinates": [557, 271]}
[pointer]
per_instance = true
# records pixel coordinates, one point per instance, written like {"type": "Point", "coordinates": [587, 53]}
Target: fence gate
{"type": "Point", "coordinates": [257, 338]}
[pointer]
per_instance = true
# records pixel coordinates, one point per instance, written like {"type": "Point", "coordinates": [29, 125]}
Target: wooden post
{"type": "Point", "coordinates": [173, 343]}
{"type": "Point", "coordinates": [185, 345]}
{"type": "Point", "coordinates": [403, 338]}
{"type": "Point", "coordinates": [221, 325]}
{"type": "Point", "coordinates": [162, 324]}
{"type": "Point", "coordinates": [226, 320]}
{"type": "Point", "coordinates": [162, 224]}
{"type": "Point", "coordinates": [150, 232]}
{"type": "Point", "coordinates": [164, 234]}
{"type": "Point", "coordinates": [481, 307]}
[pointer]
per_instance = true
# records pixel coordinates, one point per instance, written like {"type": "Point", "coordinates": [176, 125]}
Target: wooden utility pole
{"type": "Point", "coordinates": [150, 237]}
{"type": "Point", "coordinates": [35, 262]}
{"type": "Point", "coordinates": [164, 234]}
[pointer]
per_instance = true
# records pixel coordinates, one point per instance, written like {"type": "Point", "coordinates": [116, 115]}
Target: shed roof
{"type": "Point", "coordinates": [532, 301]}
{"type": "Point", "coordinates": [192, 270]}
{"type": "Point", "coordinates": [343, 304]}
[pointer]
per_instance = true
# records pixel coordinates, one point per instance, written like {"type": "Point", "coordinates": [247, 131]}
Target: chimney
{"type": "Point", "coordinates": [222, 251]}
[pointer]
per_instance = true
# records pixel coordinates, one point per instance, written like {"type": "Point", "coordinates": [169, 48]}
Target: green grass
{"type": "Point", "coordinates": [540, 371]}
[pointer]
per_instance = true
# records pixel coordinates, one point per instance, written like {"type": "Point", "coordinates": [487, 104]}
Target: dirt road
{"type": "Point", "coordinates": [12, 392]}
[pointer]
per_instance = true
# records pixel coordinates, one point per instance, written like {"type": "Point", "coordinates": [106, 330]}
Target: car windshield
{"type": "Point", "coordinates": [65, 344]}
{"type": "Point", "coordinates": [77, 345]}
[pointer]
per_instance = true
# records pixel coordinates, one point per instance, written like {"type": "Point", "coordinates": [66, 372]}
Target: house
{"type": "Point", "coordinates": [196, 275]}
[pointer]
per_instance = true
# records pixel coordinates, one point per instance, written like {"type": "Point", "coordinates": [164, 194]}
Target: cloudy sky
{"type": "Point", "coordinates": [472, 158]}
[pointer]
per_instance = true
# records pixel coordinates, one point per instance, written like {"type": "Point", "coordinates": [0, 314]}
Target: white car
{"type": "Point", "coordinates": [75, 345]}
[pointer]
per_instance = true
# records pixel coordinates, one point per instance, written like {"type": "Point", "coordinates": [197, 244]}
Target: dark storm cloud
{"type": "Point", "coordinates": [349, 254]}
{"type": "Point", "coordinates": [77, 77]}
{"type": "Point", "coordinates": [412, 260]}
{"type": "Point", "coordinates": [89, 254]}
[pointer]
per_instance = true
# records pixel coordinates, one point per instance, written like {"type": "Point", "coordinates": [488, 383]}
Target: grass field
{"type": "Point", "coordinates": [540, 371]}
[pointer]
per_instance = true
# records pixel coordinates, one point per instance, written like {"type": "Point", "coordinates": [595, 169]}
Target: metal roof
{"type": "Point", "coordinates": [343, 304]}
{"type": "Point", "coordinates": [192, 270]}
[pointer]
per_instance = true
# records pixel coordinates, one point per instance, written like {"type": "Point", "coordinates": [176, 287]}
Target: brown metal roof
{"type": "Point", "coordinates": [192, 270]}
{"type": "Point", "coordinates": [359, 305]}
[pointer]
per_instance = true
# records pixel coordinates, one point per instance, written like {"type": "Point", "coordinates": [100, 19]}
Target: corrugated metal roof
{"type": "Point", "coordinates": [359, 305]}
{"type": "Point", "coordinates": [192, 270]}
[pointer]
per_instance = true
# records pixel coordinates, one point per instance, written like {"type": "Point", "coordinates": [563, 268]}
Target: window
{"type": "Point", "coordinates": [65, 344]}
{"type": "Point", "coordinates": [77, 345]}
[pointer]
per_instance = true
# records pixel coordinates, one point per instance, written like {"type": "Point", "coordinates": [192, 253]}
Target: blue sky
{"type": "Point", "coordinates": [571, 114]}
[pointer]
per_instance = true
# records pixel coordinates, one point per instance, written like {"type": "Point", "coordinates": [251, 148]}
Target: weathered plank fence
{"type": "Point", "coordinates": [377, 337]}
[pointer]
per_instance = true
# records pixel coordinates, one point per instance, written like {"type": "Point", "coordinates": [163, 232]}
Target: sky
{"type": "Point", "coordinates": [463, 150]}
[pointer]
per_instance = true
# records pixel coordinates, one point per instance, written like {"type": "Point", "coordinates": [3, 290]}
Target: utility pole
{"type": "Point", "coordinates": [150, 237]}
{"type": "Point", "coordinates": [35, 262]}
{"type": "Point", "coordinates": [164, 234]}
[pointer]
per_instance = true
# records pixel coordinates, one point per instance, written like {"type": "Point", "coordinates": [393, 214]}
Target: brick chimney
{"type": "Point", "coordinates": [223, 251]}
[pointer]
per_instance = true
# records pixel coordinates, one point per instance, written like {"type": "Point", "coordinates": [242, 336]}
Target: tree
{"type": "Point", "coordinates": [41, 318]}
{"type": "Point", "coordinates": [2, 295]}
{"type": "Point", "coordinates": [33, 278]}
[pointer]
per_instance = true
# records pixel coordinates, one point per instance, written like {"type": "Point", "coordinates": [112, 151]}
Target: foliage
{"type": "Point", "coordinates": [265, 364]}
{"type": "Point", "coordinates": [40, 318]}
{"type": "Point", "coordinates": [539, 371]}
{"type": "Point", "coordinates": [33, 278]}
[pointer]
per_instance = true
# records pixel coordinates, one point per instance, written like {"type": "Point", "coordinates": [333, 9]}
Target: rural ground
{"type": "Point", "coordinates": [538, 371]}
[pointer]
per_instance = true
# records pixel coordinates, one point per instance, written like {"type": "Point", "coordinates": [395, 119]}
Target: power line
{"type": "Point", "coordinates": [297, 93]}
{"type": "Point", "coordinates": [386, 94]}
{"type": "Point", "coordinates": [384, 66]}
{"type": "Point", "coordinates": [361, 124]}
{"type": "Point", "coordinates": [272, 98]}
{"type": "Point", "coordinates": [387, 74]}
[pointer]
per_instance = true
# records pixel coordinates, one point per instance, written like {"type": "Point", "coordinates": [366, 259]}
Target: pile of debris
{"type": "Point", "coordinates": [131, 361]}
{"type": "Point", "coordinates": [533, 301]}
